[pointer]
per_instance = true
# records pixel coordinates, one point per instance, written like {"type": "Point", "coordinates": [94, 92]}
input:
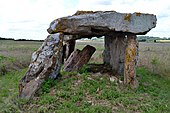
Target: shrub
{"type": "Point", "coordinates": [47, 85]}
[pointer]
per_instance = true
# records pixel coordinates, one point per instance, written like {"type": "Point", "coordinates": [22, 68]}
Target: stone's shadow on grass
{"type": "Point", "coordinates": [102, 68]}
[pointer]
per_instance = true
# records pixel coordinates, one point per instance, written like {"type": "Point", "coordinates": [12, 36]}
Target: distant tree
{"type": "Point", "coordinates": [147, 38]}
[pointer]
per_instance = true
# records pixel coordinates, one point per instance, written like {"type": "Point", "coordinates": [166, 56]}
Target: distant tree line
{"type": "Point", "coordinates": [20, 39]}
{"type": "Point", "coordinates": [6, 38]}
{"type": "Point", "coordinates": [28, 40]}
{"type": "Point", "coordinates": [150, 38]}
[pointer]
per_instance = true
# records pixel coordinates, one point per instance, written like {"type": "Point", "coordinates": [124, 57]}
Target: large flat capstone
{"type": "Point", "coordinates": [89, 23]}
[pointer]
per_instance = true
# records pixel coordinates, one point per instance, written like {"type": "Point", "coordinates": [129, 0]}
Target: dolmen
{"type": "Point", "coordinates": [120, 31]}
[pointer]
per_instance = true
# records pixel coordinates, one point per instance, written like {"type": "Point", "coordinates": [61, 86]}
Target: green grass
{"type": "Point", "coordinates": [15, 55]}
{"type": "Point", "coordinates": [9, 90]}
{"type": "Point", "coordinates": [155, 57]}
{"type": "Point", "coordinates": [6, 63]}
{"type": "Point", "coordinates": [88, 92]}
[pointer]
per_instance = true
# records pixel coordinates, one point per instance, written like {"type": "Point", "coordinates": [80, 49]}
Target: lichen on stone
{"type": "Point", "coordinates": [138, 13]}
{"type": "Point", "coordinates": [83, 12]}
{"type": "Point", "coordinates": [128, 17]}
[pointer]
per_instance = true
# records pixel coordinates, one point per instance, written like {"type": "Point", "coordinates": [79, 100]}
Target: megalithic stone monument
{"type": "Point", "coordinates": [119, 29]}
{"type": "Point", "coordinates": [121, 46]}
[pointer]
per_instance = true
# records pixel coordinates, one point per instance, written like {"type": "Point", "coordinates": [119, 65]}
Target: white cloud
{"type": "Point", "coordinates": [25, 16]}
{"type": "Point", "coordinates": [30, 18]}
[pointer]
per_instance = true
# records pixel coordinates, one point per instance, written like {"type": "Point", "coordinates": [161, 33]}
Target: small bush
{"type": "Point", "coordinates": [47, 85]}
{"type": "Point", "coordinates": [84, 69]}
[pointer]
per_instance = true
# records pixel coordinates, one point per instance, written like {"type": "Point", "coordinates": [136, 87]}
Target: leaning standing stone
{"type": "Point", "coordinates": [78, 58]}
{"type": "Point", "coordinates": [45, 63]}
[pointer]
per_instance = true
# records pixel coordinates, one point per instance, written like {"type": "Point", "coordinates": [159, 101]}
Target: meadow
{"type": "Point", "coordinates": [155, 57]}
{"type": "Point", "coordinates": [15, 55]}
{"type": "Point", "coordinates": [86, 91]}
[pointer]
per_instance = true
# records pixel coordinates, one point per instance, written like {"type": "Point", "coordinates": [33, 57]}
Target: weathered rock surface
{"type": "Point", "coordinates": [88, 23]}
{"type": "Point", "coordinates": [131, 58]}
{"type": "Point", "coordinates": [78, 58]}
{"type": "Point", "coordinates": [114, 53]}
{"type": "Point", "coordinates": [70, 45]}
{"type": "Point", "coordinates": [45, 63]}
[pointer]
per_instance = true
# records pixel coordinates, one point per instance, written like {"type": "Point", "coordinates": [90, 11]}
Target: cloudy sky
{"type": "Point", "coordinates": [29, 19]}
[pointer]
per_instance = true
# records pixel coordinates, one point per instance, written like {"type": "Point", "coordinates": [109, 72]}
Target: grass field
{"type": "Point", "coordinates": [85, 91]}
{"type": "Point", "coordinates": [16, 55]}
{"type": "Point", "coordinates": [155, 57]}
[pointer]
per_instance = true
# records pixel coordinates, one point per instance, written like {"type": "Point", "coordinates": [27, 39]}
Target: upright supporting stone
{"type": "Point", "coordinates": [131, 55]}
{"type": "Point", "coordinates": [70, 45]}
{"type": "Point", "coordinates": [46, 62]}
{"type": "Point", "coordinates": [64, 53]}
{"type": "Point", "coordinates": [114, 52]}
{"type": "Point", "coordinates": [106, 52]}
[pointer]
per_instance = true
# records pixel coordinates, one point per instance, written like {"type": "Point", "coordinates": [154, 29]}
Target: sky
{"type": "Point", "coordinates": [29, 19]}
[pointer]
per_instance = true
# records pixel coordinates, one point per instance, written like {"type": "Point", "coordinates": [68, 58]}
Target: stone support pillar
{"type": "Point", "coordinates": [131, 57]}
{"type": "Point", "coordinates": [106, 52]}
{"type": "Point", "coordinates": [70, 45]}
{"type": "Point", "coordinates": [114, 52]}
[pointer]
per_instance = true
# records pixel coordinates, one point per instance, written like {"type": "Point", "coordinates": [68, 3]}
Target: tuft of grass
{"type": "Point", "coordinates": [5, 64]}
{"type": "Point", "coordinates": [84, 69]}
{"type": "Point", "coordinates": [2, 57]}
{"type": "Point", "coordinates": [47, 85]}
